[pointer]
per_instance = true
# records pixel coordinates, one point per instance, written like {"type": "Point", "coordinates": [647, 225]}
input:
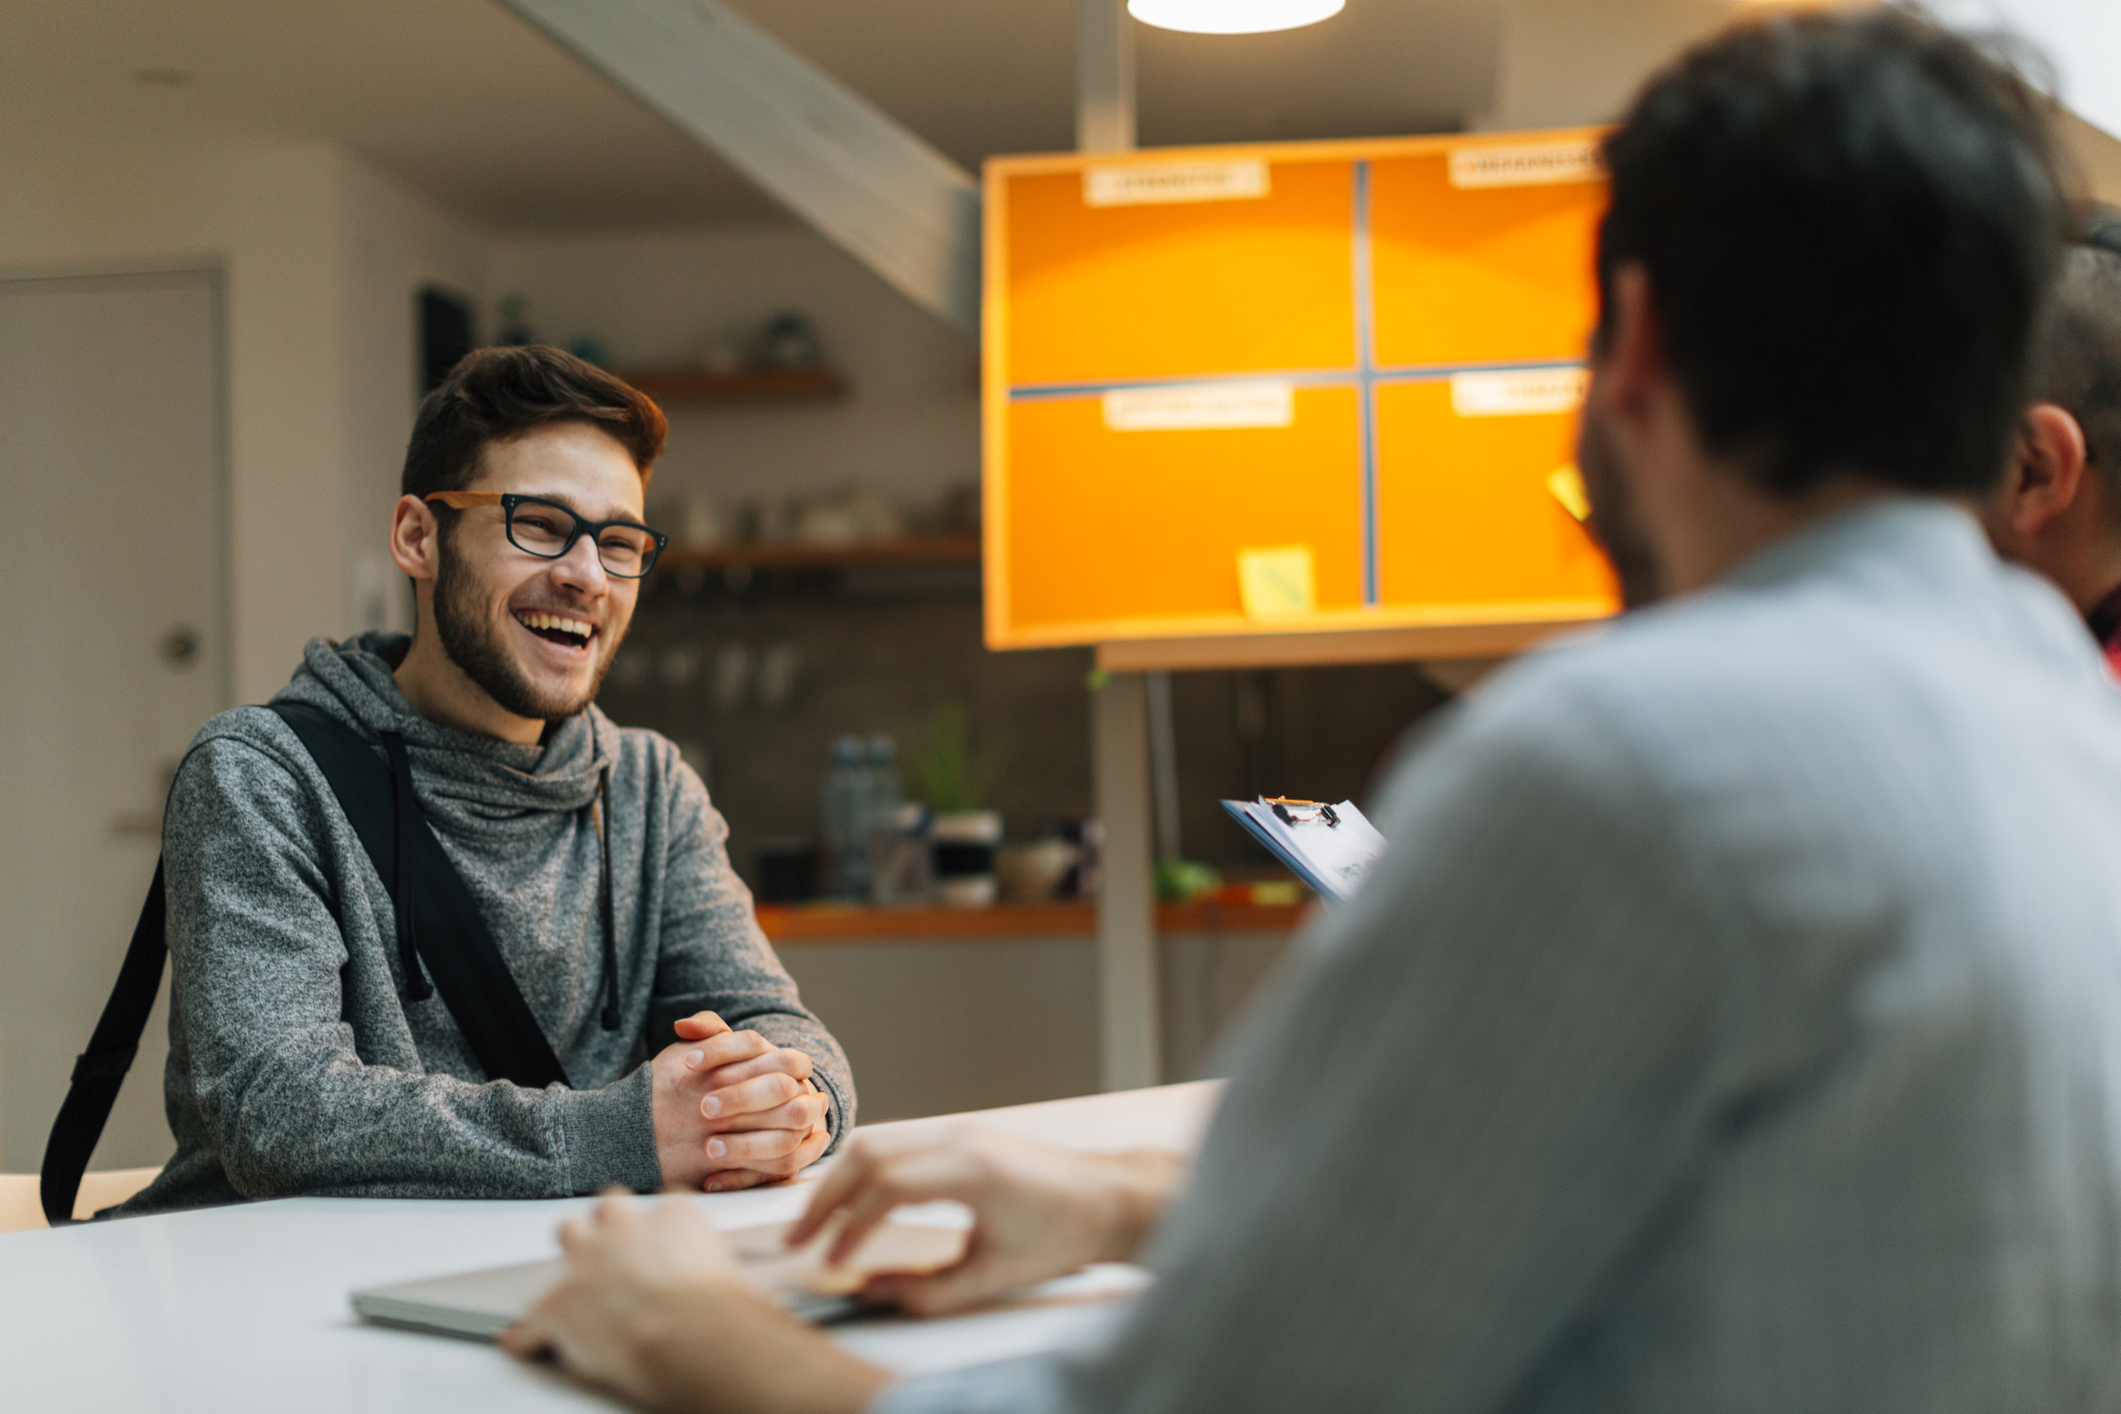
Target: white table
{"type": "Point", "coordinates": [244, 1308]}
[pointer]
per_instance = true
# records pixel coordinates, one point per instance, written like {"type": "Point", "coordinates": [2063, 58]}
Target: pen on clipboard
{"type": "Point", "coordinates": [1329, 847]}
{"type": "Point", "coordinates": [1300, 812]}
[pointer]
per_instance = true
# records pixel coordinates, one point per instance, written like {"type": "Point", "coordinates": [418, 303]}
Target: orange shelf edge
{"type": "Point", "coordinates": [787, 925]}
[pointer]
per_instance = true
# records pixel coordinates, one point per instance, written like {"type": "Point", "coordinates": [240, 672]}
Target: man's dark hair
{"type": "Point", "coordinates": [2077, 358]}
{"type": "Point", "coordinates": [1849, 225]}
{"type": "Point", "coordinates": [494, 395]}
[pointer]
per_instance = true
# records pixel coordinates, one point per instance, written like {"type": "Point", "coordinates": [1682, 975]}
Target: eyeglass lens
{"type": "Point", "coordinates": [547, 531]}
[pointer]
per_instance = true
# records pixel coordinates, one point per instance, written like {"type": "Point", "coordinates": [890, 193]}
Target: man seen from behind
{"type": "Point", "coordinates": [1732, 1023]}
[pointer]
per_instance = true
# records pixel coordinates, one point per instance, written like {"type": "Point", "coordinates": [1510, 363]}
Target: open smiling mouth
{"type": "Point", "coordinates": [563, 629]}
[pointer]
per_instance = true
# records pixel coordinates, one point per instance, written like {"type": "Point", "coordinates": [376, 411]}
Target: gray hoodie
{"type": "Point", "coordinates": [295, 1063]}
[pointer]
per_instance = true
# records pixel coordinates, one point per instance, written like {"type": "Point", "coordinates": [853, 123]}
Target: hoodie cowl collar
{"type": "Point", "coordinates": [467, 781]}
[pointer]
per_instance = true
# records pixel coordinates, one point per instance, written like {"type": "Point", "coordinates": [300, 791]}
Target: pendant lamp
{"type": "Point", "coordinates": [1232, 16]}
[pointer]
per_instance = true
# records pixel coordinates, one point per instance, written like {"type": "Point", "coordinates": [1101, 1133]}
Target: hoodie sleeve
{"type": "Point", "coordinates": [261, 979]}
{"type": "Point", "coordinates": [714, 956]}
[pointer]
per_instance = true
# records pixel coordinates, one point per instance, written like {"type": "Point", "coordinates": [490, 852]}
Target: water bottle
{"type": "Point", "coordinates": [843, 817]}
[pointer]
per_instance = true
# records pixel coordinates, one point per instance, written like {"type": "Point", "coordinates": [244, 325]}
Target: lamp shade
{"type": "Point", "coordinates": [1232, 16]}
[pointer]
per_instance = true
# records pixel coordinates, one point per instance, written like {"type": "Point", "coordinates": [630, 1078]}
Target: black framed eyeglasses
{"type": "Point", "coordinates": [626, 549]}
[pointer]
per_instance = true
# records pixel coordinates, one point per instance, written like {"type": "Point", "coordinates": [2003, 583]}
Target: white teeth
{"type": "Point", "coordinates": [553, 621]}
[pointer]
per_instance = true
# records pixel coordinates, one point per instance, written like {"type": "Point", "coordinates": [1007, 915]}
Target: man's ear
{"type": "Point", "coordinates": [1633, 358]}
{"type": "Point", "coordinates": [2046, 471]}
{"type": "Point", "coordinates": [415, 539]}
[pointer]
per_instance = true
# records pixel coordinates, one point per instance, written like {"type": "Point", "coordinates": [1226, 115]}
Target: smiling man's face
{"type": "Point", "coordinates": [537, 635]}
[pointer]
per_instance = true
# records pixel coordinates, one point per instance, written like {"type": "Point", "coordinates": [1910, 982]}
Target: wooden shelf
{"type": "Point", "coordinates": [749, 385]}
{"type": "Point", "coordinates": [913, 550]}
{"type": "Point", "coordinates": [1385, 643]}
{"type": "Point", "coordinates": [793, 925]}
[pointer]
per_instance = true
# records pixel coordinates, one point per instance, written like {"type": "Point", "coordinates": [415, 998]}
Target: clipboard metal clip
{"type": "Point", "coordinates": [1301, 812]}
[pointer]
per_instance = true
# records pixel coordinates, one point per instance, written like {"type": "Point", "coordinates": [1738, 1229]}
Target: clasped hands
{"type": "Point", "coordinates": [732, 1109]}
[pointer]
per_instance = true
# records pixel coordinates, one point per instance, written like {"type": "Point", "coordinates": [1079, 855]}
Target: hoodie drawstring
{"type": "Point", "coordinates": [409, 819]}
{"type": "Point", "coordinates": [611, 937]}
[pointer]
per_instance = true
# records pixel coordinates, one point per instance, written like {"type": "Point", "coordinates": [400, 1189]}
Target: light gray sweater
{"type": "Point", "coordinates": [297, 1066]}
{"type": "Point", "coordinates": [1733, 1025]}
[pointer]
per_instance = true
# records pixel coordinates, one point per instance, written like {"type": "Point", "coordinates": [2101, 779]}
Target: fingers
{"type": "Point", "coordinates": [913, 1177]}
{"type": "Point", "coordinates": [869, 1207]}
{"type": "Point", "coordinates": [808, 1151]}
{"type": "Point", "coordinates": [770, 1169]}
{"type": "Point", "coordinates": [857, 1162]}
{"type": "Point", "coordinates": [724, 1049]}
{"type": "Point", "coordinates": [777, 1060]}
{"type": "Point", "coordinates": [933, 1293]}
{"type": "Point", "coordinates": [579, 1236]}
{"type": "Point", "coordinates": [699, 1026]}
{"type": "Point", "coordinates": [801, 1114]}
{"type": "Point", "coordinates": [584, 1240]}
{"type": "Point", "coordinates": [768, 1150]}
{"type": "Point", "coordinates": [527, 1339]}
{"type": "Point", "coordinates": [752, 1097]}
{"type": "Point", "coordinates": [878, 1160]}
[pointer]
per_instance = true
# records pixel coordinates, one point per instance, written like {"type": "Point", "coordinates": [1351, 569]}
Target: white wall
{"type": "Point", "coordinates": [395, 242]}
{"type": "Point", "coordinates": [959, 1024]}
{"type": "Point", "coordinates": [1565, 62]}
{"type": "Point", "coordinates": [321, 257]}
{"type": "Point", "coordinates": [910, 427]}
{"type": "Point", "coordinates": [270, 216]}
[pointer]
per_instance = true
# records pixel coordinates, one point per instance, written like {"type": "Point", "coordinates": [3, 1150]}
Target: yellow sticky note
{"type": "Point", "coordinates": [1566, 484]}
{"type": "Point", "coordinates": [1276, 581]}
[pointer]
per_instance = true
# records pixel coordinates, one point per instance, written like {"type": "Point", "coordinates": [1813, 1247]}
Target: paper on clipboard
{"type": "Point", "coordinates": [1331, 847]}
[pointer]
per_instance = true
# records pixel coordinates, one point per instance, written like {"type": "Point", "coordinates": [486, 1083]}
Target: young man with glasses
{"type": "Point", "coordinates": [310, 1048]}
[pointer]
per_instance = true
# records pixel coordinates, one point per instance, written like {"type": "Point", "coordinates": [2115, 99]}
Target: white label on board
{"type": "Point", "coordinates": [1166, 183]}
{"type": "Point", "coordinates": [1527, 164]}
{"type": "Point", "coordinates": [1262, 404]}
{"type": "Point", "coordinates": [1542, 390]}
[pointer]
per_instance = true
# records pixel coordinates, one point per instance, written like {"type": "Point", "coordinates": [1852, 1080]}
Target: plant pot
{"type": "Point", "coordinates": [961, 847]}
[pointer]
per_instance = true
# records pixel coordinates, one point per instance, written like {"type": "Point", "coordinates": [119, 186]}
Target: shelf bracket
{"type": "Point", "coordinates": [829, 155]}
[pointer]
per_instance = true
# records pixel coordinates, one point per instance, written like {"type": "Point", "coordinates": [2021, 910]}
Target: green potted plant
{"type": "Point", "coordinates": [954, 777]}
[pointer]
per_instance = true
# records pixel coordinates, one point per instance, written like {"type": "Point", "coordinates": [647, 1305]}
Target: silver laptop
{"type": "Point", "coordinates": [477, 1305]}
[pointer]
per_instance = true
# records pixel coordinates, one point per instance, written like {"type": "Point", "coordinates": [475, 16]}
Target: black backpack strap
{"type": "Point", "coordinates": [100, 1070]}
{"type": "Point", "coordinates": [467, 965]}
{"type": "Point", "coordinates": [436, 914]}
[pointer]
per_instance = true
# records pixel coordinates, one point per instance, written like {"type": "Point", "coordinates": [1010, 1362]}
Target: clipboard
{"type": "Point", "coordinates": [1331, 847]}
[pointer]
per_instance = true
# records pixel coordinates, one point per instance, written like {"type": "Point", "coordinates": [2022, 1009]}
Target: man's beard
{"type": "Point", "coordinates": [475, 644]}
{"type": "Point", "coordinates": [1612, 520]}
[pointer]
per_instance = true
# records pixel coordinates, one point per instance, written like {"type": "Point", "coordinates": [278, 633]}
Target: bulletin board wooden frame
{"type": "Point", "coordinates": [1435, 538]}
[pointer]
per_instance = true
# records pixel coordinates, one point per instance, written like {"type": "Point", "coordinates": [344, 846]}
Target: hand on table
{"type": "Point", "coordinates": [653, 1306]}
{"type": "Point", "coordinates": [731, 1109]}
{"type": "Point", "coordinates": [1037, 1211]}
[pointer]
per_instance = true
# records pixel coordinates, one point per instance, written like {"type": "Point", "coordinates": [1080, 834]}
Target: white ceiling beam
{"type": "Point", "coordinates": [866, 183]}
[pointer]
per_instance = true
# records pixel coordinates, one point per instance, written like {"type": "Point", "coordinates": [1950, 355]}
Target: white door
{"type": "Point", "coordinates": [114, 505]}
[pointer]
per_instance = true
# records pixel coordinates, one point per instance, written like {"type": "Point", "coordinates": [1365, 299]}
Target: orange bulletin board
{"type": "Point", "coordinates": [1370, 352]}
